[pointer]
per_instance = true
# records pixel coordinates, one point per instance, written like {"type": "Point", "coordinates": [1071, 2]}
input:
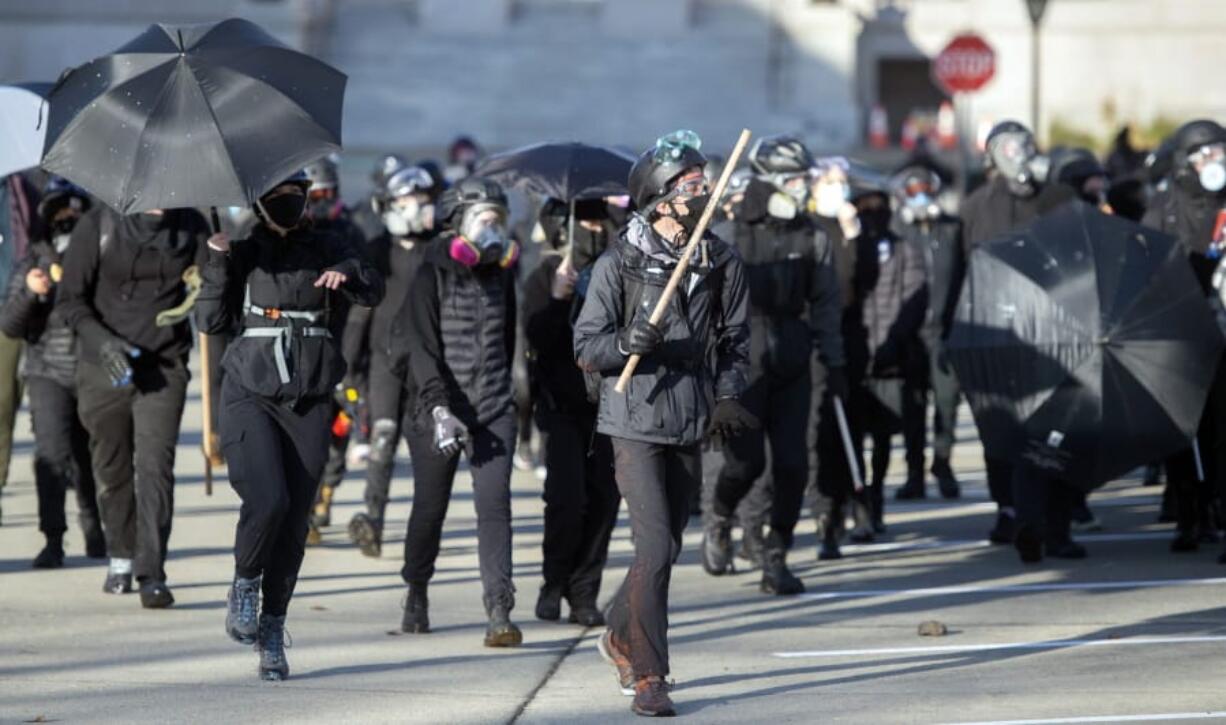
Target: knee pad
{"type": "Point", "coordinates": [383, 440]}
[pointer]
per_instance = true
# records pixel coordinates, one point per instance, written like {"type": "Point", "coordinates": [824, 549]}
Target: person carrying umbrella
{"type": "Point", "coordinates": [455, 337]}
{"type": "Point", "coordinates": [657, 425]}
{"type": "Point", "coordinates": [280, 371]}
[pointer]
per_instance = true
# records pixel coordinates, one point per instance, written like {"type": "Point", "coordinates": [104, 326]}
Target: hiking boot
{"type": "Point", "coordinates": [367, 535]}
{"type": "Point", "coordinates": [416, 619]}
{"type": "Point", "coordinates": [827, 539]}
{"type": "Point", "coordinates": [752, 543]}
{"type": "Point", "coordinates": [549, 604]}
{"type": "Point", "coordinates": [717, 545]}
{"type": "Point", "coordinates": [155, 595]}
{"type": "Point", "coordinates": [52, 555]}
{"type": "Point", "coordinates": [1004, 530]}
{"type": "Point", "coordinates": [614, 654]}
{"type": "Point", "coordinates": [242, 610]}
{"type": "Point", "coordinates": [321, 515]}
{"type": "Point", "coordinates": [947, 483]}
{"type": "Point", "coordinates": [776, 577]}
{"type": "Point", "coordinates": [586, 614]}
{"type": "Point", "coordinates": [501, 631]}
{"type": "Point", "coordinates": [270, 644]}
{"type": "Point", "coordinates": [651, 698]}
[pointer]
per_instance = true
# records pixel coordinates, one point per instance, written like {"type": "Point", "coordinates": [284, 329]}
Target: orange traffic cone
{"type": "Point", "coordinates": [878, 127]}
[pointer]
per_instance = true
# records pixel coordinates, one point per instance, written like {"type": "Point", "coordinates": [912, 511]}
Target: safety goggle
{"type": "Point", "coordinates": [671, 147]}
{"type": "Point", "coordinates": [1014, 146]}
{"type": "Point", "coordinates": [478, 217]}
{"type": "Point", "coordinates": [690, 188]}
{"type": "Point", "coordinates": [1207, 153]}
{"type": "Point", "coordinates": [410, 180]}
{"type": "Point", "coordinates": [915, 186]}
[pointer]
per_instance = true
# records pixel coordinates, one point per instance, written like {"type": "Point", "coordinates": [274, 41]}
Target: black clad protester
{"type": "Point", "coordinates": [794, 308]}
{"type": "Point", "coordinates": [275, 288]}
{"type": "Point", "coordinates": [921, 222]}
{"type": "Point", "coordinates": [674, 397]}
{"type": "Point", "coordinates": [1193, 208]}
{"type": "Point", "coordinates": [120, 274]}
{"type": "Point", "coordinates": [410, 200]}
{"type": "Point", "coordinates": [581, 498]}
{"type": "Point", "coordinates": [1012, 197]}
{"type": "Point", "coordinates": [457, 333]}
{"type": "Point", "coordinates": [61, 445]}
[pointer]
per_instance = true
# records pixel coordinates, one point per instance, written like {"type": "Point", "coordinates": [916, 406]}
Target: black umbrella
{"type": "Point", "coordinates": [1085, 345]}
{"type": "Point", "coordinates": [565, 171]}
{"type": "Point", "coordinates": [199, 115]}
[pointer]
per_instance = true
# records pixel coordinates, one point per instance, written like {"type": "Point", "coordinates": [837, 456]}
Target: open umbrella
{"type": "Point", "coordinates": [565, 171]}
{"type": "Point", "coordinates": [198, 115]}
{"type": "Point", "coordinates": [1084, 344]}
{"type": "Point", "coordinates": [22, 125]}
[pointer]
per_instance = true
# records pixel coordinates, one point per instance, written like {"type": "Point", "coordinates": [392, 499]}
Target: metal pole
{"type": "Point", "coordinates": [1034, 79]}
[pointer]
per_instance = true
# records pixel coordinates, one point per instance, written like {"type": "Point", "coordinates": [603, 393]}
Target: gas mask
{"type": "Point", "coordinates": [483, 238]}
{"type": "Point", "coordinates": [408, 216]}
{"type": "Point", "coordinates": [1013, 156]}
{"type": "Point", "coordinates": [282, 209]}
{"type": "Point", "coordinates": [323, 207]}
{"type": "Point", "coordinates": [1209, 162]}
{"type": "Point", "coordinates": [830, 198]}
{"type": "Point", "coordinates": [917, 208]}
{"type": "Point", "coordinates": [782, 206]}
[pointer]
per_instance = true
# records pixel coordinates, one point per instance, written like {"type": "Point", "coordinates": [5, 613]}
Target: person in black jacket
{"type": "Point", "coordinates": [276, 397]}
{"type": "Point", "coordinates": [1193, 209]}
{"type": "Point", "coordinates": [61, 445]}
{"type": "Point", "coordinates": [456, 330]}
{"type": "Point", "coordinates": [120, 272]}
{"type": "Point", "coordinates": [658, 423]}
{"type": "Point", "coordinates": [794, 309]}
{"type": "Point", "coordinates": [937, 236]}
{"type": "Point", "coordinates": [581, 498]}
{"type": "Point", "coordinates": [1012, 197]}
{"type": "Point", "coordinates": [410, 197]}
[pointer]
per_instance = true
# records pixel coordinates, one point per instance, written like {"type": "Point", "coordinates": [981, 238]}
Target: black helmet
{"type": "Point", "coordinates": [323, 174]}
{"type": "Point", "coordinates": [59, 193]}
{"type": "Point", "coordinates": [1006, 127]}
{"type": "Point", "coordinates": [411, 180]}
{"type": "Point", "coordinates": [387, 165]}
{"type": "Point", "coordinates": [1194, 134]}
{"type": "Point", "coordinates": [657, 167]}
{"type": "Point", "coordinates": [1074, 165]}
{"type": "Point", "coordinates": [781, 154]}
{"type": "Point", "coordinates": [1160, 161]}
{"type": "Point", "coordinates": [465, 193]}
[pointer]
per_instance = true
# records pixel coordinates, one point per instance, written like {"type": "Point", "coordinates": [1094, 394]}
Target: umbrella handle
{"type": "Point", "coordinates": [215, 219]}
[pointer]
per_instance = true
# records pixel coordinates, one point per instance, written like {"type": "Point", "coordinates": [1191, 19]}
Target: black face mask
{"type": "Point", "coordinates": [588, 246]}
{"type": "Point", "coordinates": [64, 225]}
{"type": "Point", "coordinates": [875, 224]}
{"type": "Point", "coordinates": [284, 210]}
{"type": "Point", "coordinates": [693, 212]}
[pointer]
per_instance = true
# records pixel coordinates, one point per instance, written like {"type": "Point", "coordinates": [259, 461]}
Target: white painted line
{"type": "Point", "coordinates": [937, 544]}
{"type": "Point", "coordinates": [1220, 714]}
{"type": "Point", "coordinates": [1049, 644]}
{"type": "Point", "coordinates": [1019, 588]}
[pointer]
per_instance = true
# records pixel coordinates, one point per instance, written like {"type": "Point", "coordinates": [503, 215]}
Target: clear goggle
{"type": "Point", "coordinates": [409, 180]}
{"type": "Point", "coordinates": [479, 217]}
{"type": "Point", "coordinates": [1207, 154]}
{"type": "Point", "coordinates": [671, 147]}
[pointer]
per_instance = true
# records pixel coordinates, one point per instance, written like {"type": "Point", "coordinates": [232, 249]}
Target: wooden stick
{"type": "Point", "coordinates": [679, 272]}
{"type": "Point", "coordinates": [206, 405]}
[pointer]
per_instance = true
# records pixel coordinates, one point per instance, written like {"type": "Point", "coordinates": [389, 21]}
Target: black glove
{"type": "Point", "coordinates": [730, 419]}
{"type": "Point", "coordinates": [450, 435]}
{"type": "Point", "coordinates": [640, 338]}
{"type": "Point", "coordinates": [116, 357]}
{"type": "Point", "coordinates": [836, 383]}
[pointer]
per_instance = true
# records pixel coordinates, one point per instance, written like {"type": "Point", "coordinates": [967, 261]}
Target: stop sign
{"type": "Point", "coordinates": [965, 65]}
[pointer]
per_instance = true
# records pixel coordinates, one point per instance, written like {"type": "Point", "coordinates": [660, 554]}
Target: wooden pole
{"type": "Point", "coordinates": [206, 406]}
{"type": "Point", "coordinates": [679, 272]}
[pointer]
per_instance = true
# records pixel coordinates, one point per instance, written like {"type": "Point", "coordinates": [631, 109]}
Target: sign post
{"type": "Point", "coordinates": [1036, 9]}
{"type": "Point", "coordinates": [965, 65]}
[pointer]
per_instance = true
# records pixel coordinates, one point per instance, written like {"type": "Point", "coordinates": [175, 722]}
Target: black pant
{"type": "Point", "coordinates": [1044, 503]}
{"type": "Point", "coordinates": [782, 406]}
{"type": "Point", "coordinates": [489, 458]}
{"type": "Point", "coordinates": [897, 405]}
{"type": "Point", "coordinates": [1196, 491]}
{"type": "Point", "coordinates": [657, 482]}
{"type": "Point", "coordinates": [386, 411]}
{"type": "Point", "coordinates": [133, 432]}
{"type": "Point", "coordinates": [581, 503]}
{"type": "Point", "coordinates": [275, 455]}
{"type": "Point", "coordinates": [945, 394]}
{"type": "Point", "coordinates": [61, 456]}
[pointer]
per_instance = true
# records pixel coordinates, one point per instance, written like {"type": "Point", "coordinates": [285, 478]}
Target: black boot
{"type": "Point", "coordinates": [776, 577]}
{"type": "Point", "coordinates": [1153, 475]}
{"type": "Point", "coordinates": [586, 613]}
{"type": "Point", "coordinates": [270, 644]}
{"type": "Point", "coordinates": [861, 514]}
{"type": "Point", "coordinates": [1184, 542]}
{"type": "Point", "coordinates": [549, 604]}
{"type": "Point", "coordinates": [367, 534]}
{"type": "Point", "coordinates": [95, 542]}
{"type": "Point", "coordinates": [717, 545]}
{"type": "Point", "coordinates": [416, 618]}
{"type": "Point", "coordinates": [1029, 544]}
{"type": "Point", "coordinates": [242, 610]}
{"type": "Point", "coordinates": [913, 489]}
{"type": "Point", "coordinates": [946, 481]}
{"type": "Point", "coordinates": [118, 577]}
{"type": "Point", "coordinates": [752, 543]}
{"type": "Point", "coordinates": [155, 595]}
{"type": "Point", "coordinates": [1004, 530]}
{"type": "Point", "coordinates": [827, 539]}
{"type": "Point", "coordinates": [52, 555]}
{"type": "Point", "coordinates": [501, 631]}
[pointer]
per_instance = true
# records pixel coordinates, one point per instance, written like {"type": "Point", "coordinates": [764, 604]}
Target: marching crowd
{"type": "Point", "coordinates": [810, 321]}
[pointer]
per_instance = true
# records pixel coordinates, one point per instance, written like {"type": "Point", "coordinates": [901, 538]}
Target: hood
{"type": "Point", "coordinates": [639, 235]}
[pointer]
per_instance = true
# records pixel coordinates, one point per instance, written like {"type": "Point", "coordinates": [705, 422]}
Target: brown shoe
{"type": "Point", "coordinates": [651, 698]}
{"type": "Point", "coordinates": [613, 653]}
{"type": "Point", "coordinates": [314, 537]}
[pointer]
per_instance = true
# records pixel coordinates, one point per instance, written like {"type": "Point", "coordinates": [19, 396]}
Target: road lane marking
{"type": "Point", "coordinates": [1220, 714]}
{"type": "Point", "coordinates": [1017, 588]}
{"type": "Point", "coordinates": [953, 649]}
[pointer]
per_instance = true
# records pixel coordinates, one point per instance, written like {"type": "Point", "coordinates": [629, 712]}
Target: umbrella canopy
{"type": "Point", "coordinates": [565, 171]}
{"type": "Point", "coordinates": [22, 125]}
{"type": "Point", "coordinates": [198, 115]}
{"type": "Point", "coordinates": [1084, 344]}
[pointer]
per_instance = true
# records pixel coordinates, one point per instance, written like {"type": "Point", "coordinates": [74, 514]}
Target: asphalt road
{"type": "Point", "coordinates": [1131, 633]}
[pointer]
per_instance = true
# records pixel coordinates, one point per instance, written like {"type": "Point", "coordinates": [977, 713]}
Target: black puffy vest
{"type": "Point", "coordinates": [473, 325]}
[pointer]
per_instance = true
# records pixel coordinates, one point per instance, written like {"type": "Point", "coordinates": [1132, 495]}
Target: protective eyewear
{"type": "Point", "coordinates": [671, 147]}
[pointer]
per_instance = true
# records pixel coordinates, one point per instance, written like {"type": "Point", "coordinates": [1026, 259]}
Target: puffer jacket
{"type": "Point", "coordinates": [51, 344]}
{"type": "Point", "coordinates": [891, 287]}
{"type": "Point", "coordinates": [669, 398]}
